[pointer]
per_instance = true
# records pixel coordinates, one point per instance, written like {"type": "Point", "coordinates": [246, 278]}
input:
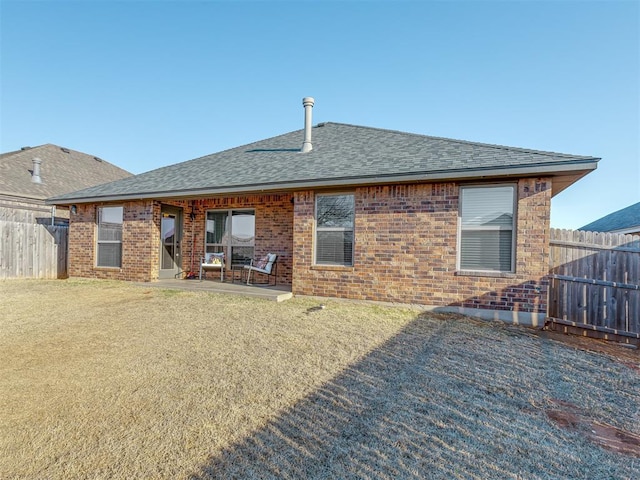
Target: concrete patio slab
{"type": "Point", "coordinates": [277, 293]}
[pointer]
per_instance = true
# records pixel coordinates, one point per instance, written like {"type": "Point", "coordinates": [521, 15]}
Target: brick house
{"type": "Point", "coordinates": [357, 212]}
{"type": "Point", "coordinates": [32, 174]}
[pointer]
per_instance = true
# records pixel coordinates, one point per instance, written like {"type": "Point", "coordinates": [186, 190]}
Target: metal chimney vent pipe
{"type": "Point", "coordinates": [35, 176]}
{"type": "Point", "coordinates": [307, 102]}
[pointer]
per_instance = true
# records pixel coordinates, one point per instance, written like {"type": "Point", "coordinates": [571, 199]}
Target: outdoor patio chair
{"type": "Point", "coordinates": [265, 265]}
{"type": "Point", "coordinates": [213, 261]}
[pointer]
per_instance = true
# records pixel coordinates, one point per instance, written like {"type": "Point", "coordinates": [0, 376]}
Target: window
{"type": "Point", "coordinates": [231, 231]}
{"type": "Point", "coordinates": [109, 237]}
{"type": "Point", "coordinates": [334, 229]}
{"type": "Point", "coordinates": [486, 228]}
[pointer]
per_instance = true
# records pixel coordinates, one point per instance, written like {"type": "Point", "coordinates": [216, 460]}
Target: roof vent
{"type": "Point", "coordinates": [65, 150]}
{"type": "Point", "coordinates": [307, 102]}
{"type": "Point", "coordinates": [25, 148]}
{"type": "Point", "coordinates": [97, 159]}
{"type": "Point", "coordinates": [35, 175]}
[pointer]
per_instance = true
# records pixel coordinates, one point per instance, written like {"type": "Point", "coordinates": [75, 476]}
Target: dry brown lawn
{"type": "Point", "coordinates": [113, 380]}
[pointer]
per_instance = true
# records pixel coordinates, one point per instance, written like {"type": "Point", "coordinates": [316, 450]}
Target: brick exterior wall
{"type": "Point", "coordinates": [140, 243]}
{"type": "Point", "coordinates": [406, 245]}
{"type": "Point", "coordinates": [141, 236]}
{"type": "Point", "coordinates": [274, 228]}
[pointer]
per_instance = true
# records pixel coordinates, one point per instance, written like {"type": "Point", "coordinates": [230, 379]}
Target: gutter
{"type": "Point", "coordinates": [416, 177]}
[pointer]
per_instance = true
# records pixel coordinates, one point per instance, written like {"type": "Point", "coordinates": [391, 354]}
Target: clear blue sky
{"type": "Point", "coordinates": [150, 83]}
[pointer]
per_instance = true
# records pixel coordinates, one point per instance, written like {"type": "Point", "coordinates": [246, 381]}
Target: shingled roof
{"type": "Point", "coordinates": [342, 155]}
{"type": "Point", "coordinates": [626, 219]}
{"type": "Point", "coordinates": [62, 171]}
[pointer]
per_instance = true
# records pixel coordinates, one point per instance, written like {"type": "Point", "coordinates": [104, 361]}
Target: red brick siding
{"type": "Point", "coordinates": [141, 236]}
{"type": "Point", "coordinates": [406, 246]}
{"type": "Point", "coordinates": [139, 243]}
{"type": "Point", "coordinates": [274, 227]}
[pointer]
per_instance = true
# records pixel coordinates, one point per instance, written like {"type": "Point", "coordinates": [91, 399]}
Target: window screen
{"type": "Point", "coordinates": [334, 229]}
{"type": "Point", "coordinates": [486, 228]}
{"type": "Point", "coordinates": [109, 237]}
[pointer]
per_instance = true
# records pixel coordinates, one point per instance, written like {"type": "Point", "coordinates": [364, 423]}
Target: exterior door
{"type": "Point", "coordinates": [170, 242]}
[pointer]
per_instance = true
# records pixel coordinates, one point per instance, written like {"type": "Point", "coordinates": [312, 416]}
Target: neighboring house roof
{"type": "Point", "coordinates": [62, 171]}
{"type": "Point", "coordinates": [622, 221]}
{"type": "Point", "coordinates": [342, 155]}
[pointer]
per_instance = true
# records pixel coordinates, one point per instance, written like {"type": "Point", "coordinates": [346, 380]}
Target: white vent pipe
{"type": "Point", "coordinates": [307, 102]}
{"type": "Point", "coordinates": [35, 176]}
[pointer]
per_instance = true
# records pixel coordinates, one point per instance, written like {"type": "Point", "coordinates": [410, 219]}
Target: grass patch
{"type": "Point", "coordinates": [112, 380]}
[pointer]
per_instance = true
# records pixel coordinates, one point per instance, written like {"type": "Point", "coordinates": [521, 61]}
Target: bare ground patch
{"type": "Point", "coordinates": [572, 417]}
{"type": "Point", "coordinates": [110, 380]}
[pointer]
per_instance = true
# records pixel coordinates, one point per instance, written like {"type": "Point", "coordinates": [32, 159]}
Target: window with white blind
{"type": "Point", "coordinates": [109, 237]}
{"type": "Point", "coordinates": [487, 231]}
{"type": "Point", "coordinates": [334, 229]}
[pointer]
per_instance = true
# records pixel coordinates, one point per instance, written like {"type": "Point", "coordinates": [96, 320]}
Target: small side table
{"type": "Point", "coordinates": [236, 272]}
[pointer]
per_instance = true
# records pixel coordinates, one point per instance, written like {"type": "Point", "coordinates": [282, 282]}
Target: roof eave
{"type": "Point", "coordinates": [630, 230]}
{"type": "Point", "coordinates": [26, 196]}
{"type": "Point", "coordinates": [570, 172]}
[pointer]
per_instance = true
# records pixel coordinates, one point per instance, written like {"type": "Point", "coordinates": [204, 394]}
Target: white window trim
{"type": "Point", "coordinates": [332, 229]}
{"type": "Point", "coordinates": [513, 229]}
{"type": "Point", "coordinates": [107, 242]}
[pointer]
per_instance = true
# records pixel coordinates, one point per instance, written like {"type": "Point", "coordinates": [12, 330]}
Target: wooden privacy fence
{"type": "Point", "coordinates": [595, 282]}
{"type": "Point", "coordinates": [30, 250]}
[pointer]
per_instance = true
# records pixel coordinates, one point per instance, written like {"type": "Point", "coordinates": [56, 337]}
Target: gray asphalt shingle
{"type": "Point", "coordinates": [62, 170]}
{"type": "Point", "coordinates": [626, 218]}
{"type": "Point", "coordinates": [340, 152]}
